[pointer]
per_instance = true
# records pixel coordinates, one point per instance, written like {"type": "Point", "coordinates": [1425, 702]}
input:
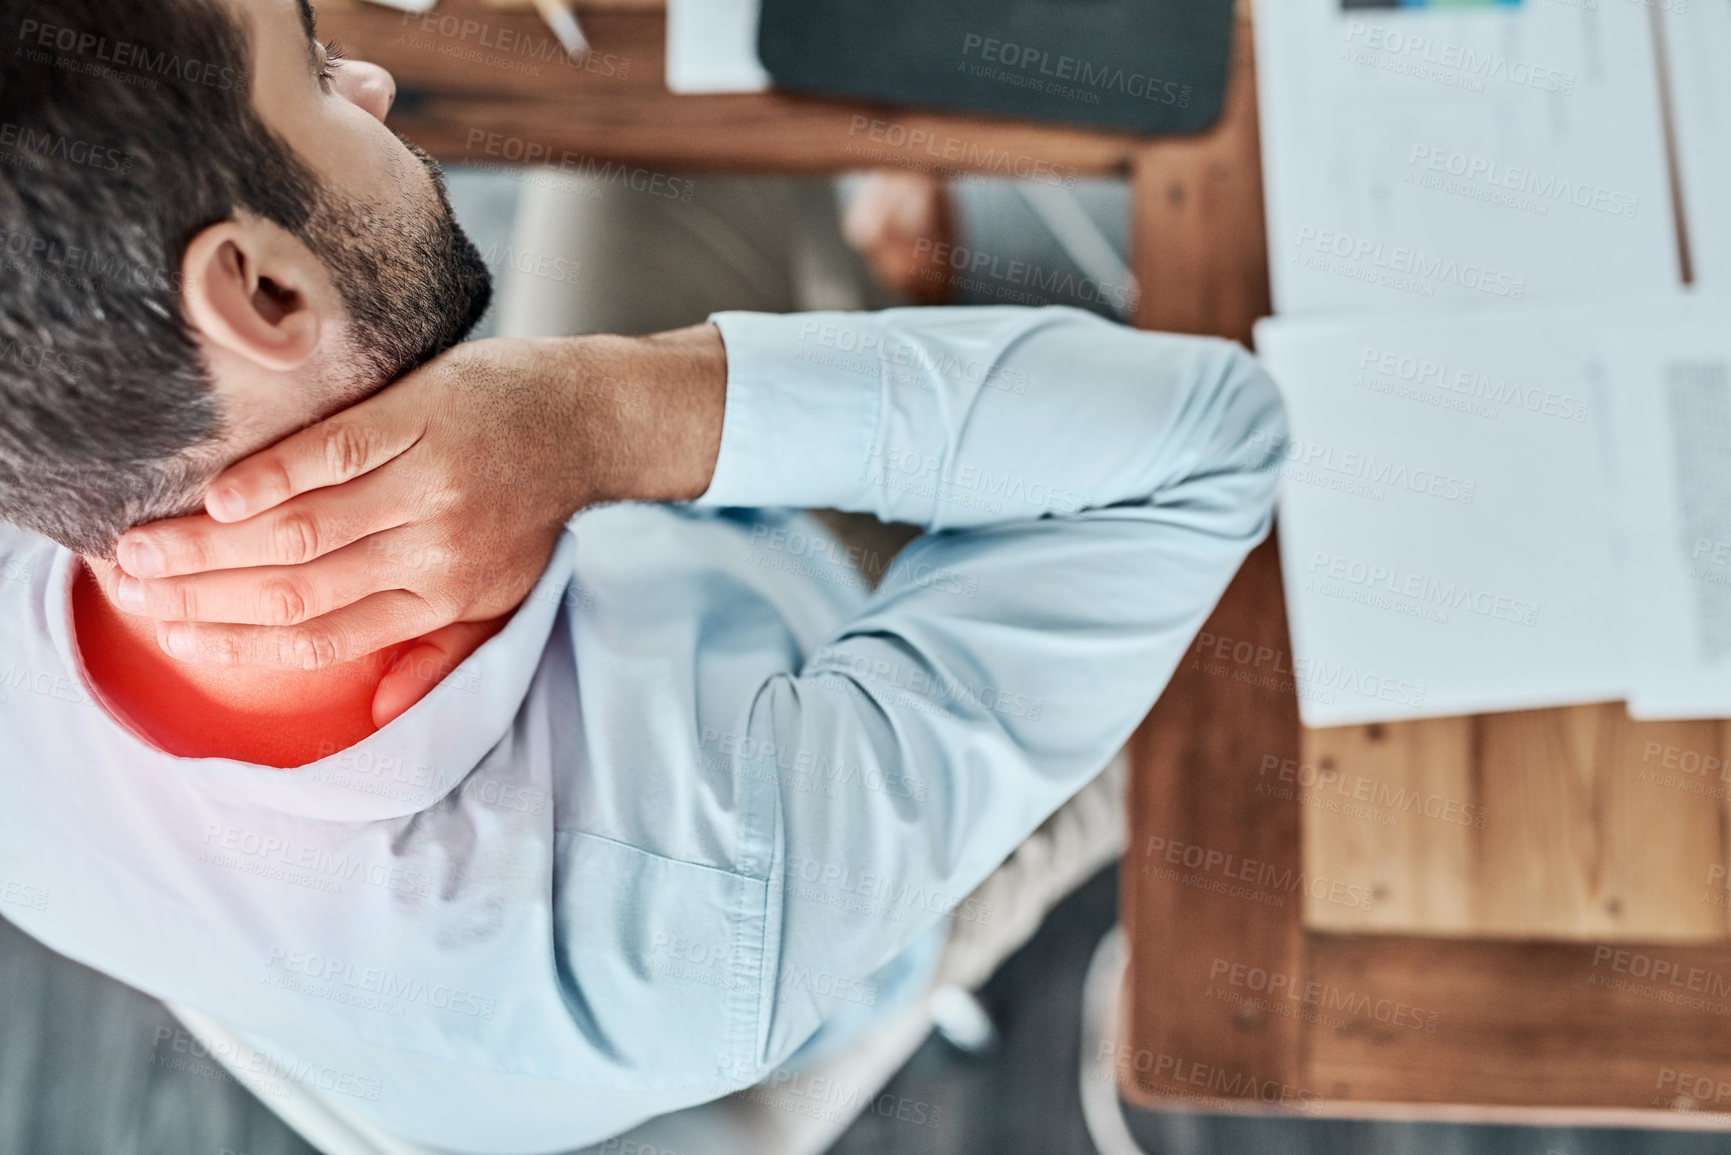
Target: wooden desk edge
{"type": "Point", "coordinates": [1645, 1119]}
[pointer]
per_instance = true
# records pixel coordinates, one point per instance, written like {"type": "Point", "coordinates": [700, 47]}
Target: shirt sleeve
{"type": "Point", "coordinates": [1088, 491]}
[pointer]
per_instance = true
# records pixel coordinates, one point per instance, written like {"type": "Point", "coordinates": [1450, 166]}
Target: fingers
{"type": "Point", "coordinates": [292, 534]}
{"type": "Point", "coordinates": [425, 664]}
{"type": "Point", "coordinates": [900, 223]}
{"type": "Point", "coordinates": [374, 622]}
{"type": "Point", "coordinates": [339, 449]}
{"type": "Point", "coordinates": [272, 595]}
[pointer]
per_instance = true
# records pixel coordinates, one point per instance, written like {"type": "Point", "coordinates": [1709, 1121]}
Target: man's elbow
{"type": "Point", "coordinates": [1251, 432]}
{"type": "Point", "coordinates": [1259, 406]}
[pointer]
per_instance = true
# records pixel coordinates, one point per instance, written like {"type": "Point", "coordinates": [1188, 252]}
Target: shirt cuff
{"type": "Point", "coordinates": [801, 412]}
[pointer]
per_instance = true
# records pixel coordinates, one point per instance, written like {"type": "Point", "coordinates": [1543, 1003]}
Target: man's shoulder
{"type": "Point", "coordinates": [24, 558]}
{"type": "Point", "coordinates": [23, 553]}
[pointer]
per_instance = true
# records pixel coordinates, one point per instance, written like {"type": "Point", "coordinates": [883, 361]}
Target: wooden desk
{"type": "Point", "coordinates": [1515, 917]}
{"type": "Point", "coordinates": [489, 92]}
{"type": "Point", "coordinates": [1294, 855]}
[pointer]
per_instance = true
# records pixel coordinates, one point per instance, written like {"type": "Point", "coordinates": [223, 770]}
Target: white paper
{"type": "Point", "coordinates": [1670, 480]}
{"type": "Point", "coordinates": [1698, 49]}
{"type": "Point", "coordinates": [1427, 156]}
{"type": "Point", "coordinates": [1444, 525]}
{"type": "Point", "coordinates": [408, 5]}
{"type": "Point", "coordinates": [712, 47]}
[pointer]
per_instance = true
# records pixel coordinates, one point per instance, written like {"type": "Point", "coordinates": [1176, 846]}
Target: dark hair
{"type": "Point", "coordinates": [125, 130]}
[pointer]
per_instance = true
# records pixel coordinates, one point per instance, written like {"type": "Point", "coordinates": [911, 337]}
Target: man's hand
{"type": "Point", "coordinates": [429, 510]}
{"type": "Point", "coordinates": [902, 224]}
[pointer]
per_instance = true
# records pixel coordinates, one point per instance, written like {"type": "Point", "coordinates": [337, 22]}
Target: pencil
{"type": "Point", "coordinates": [563, 21]}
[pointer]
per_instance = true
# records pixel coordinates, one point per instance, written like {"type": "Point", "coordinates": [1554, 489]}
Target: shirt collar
{"type": "Point", "coordinates": [402, 769]}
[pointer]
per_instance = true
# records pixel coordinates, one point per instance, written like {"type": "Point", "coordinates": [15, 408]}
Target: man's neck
{"type": "Point", "coordinates": [270, 717]}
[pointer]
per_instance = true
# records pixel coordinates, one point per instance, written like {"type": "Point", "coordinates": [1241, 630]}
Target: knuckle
{"type": "Point", "coordinates": [275, 478]}
{"type": "Point", "coordinates": [448, 603]}
{"type": "Point", "coordinates": [346, 447]}
{"type": "Point", "coordinates": [217, 645]}
{"type": "Point", "coordinates": [174, 601]}
{"type": "Point", "coordinates": [313, 649]}
{"type": "Point", "coordinates": [186, 550]}
{"type": "Point", "coordinates": [443, 494]}
{"type": "Point", "coordinates": [283, 603]}
{"type": "Point", "coordinates": [296, 537]}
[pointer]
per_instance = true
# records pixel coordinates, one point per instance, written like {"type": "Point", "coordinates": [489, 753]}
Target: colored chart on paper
{"type": "Point", "coordinates": [1430, 3]}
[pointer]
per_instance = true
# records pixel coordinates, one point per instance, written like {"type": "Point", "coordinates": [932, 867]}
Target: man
{"type": "Point", "coordinates": [693, 798]}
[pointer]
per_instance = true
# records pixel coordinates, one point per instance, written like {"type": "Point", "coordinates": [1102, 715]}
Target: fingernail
{"type": "Point", "coordinates": [130, 594]}
{"type": "Point", "coordinates": [141, 558]}
{"type": "Point", "coordinates": [227, 504]}
{"type": "Point", "coordinates": [177, 640]}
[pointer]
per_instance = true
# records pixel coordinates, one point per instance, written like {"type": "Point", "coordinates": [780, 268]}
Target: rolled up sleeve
{"type": "Point", "coordinates": [1088, 491]}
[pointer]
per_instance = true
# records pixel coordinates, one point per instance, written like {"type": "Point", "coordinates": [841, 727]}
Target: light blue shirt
{"type": "Point", "coordinates": [705, 791]}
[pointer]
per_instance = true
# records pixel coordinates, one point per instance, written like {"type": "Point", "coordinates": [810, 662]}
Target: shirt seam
{"type": "Point", "coordinates": [632, 846]}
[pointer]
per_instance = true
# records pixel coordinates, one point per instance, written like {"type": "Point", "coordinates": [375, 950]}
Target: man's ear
{"type": "Point", "coordinates": [249, 288]}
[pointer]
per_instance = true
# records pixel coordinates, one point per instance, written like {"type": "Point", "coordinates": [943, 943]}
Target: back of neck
{"type": "Point", "coordinates": [270, 717]}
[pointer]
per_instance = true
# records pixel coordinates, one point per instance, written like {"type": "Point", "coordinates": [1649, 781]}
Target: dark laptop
{"type": "Point", "coordinates": [1148, 66]}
